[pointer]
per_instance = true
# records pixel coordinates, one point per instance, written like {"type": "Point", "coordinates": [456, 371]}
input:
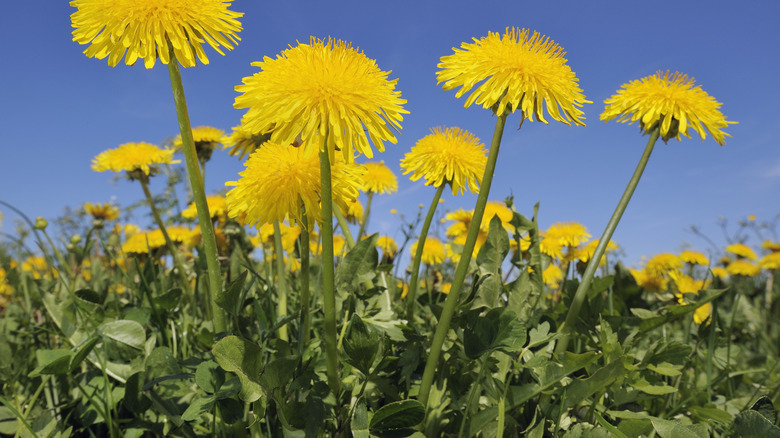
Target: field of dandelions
{"type": "Point", "coordinates": [272, 308]}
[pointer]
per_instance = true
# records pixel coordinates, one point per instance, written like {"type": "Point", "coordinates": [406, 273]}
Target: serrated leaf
{"type": "Point", "coordinates": [396, 415]}
{"type": "Point", "coordinates": [495, 248]}
{"type": "Point", "coordinates": [499, 329]}
{"type": "Point", "coordinates": [244, 358]}
{"type": "Point", "coordinates": [359, 265]}
{"type": "Point", "coordinates": [228, 300]}
{"type": "Point", "coordinates": [361, 344]}
{"type": "Point", "coordinates": [359, 424]}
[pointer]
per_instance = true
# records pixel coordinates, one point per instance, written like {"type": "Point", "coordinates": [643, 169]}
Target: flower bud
{"type": "Point", "coordinates": [41, 223]}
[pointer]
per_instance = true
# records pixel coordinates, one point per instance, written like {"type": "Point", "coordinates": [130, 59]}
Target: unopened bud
{"type": "Point", "coordinates": [41, 223]}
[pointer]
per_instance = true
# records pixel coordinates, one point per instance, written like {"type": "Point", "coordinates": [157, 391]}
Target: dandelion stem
{"type": "Point", "coordinates": [328, 272]}
{"type": "Point", "coordinates": [198, 193]}
{"type": "Point", "coordinates": [364, 222]}
{"type": "Point", "coordinates": [593, 264]}
{"type": "Point", "coordinates": [281, 288]}
{"type": "Point", "coordinates": [344, 228]}
{"type": "Point", "coordinates": [412, 296]}
{"type": "Point", "coordinates": [305, 298]}
{"type": "Point", "coordinates": [463, 266]}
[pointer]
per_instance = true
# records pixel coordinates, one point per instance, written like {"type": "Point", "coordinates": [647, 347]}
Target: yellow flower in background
{"type": "Point", "coordinates": [516, 70]}
{"type": "Point", "coordinates": [552, 276]}
{"type": "Point", "coordinates": [38, 267]}
{"type": "Point", "coordinates": [387, 245]}
{"type": "Point", "coordinates": [379, 178]}
{"type": "Point", "coordinates": [770, 246]}
{"type": "Point", "coordinates": [147, 29]}
{"type": "Point", "coordinates": [720, 272]}
{"type": "Point", "coordinates": [564, 236]}
{"type": "Point", "coordinates": [206, 139]}
{"type": "Point", "coordinates": [703, 314]}
{"type": "Point", "coordinates": [338, 244]}
{"type": "Point", "coordinates": [694, 257]}
{"type": "Point", "coordinates": [770, 261]}
{"type": "Point", "coordinates": [243, 141]}
{"type": "Point", "coordinates": [183, 235]}
{"type": "Point", "coordinates": [278, 180]}
{"type": "Point", "coordinates": [142, 242]}
{"type": "Point", "coordinates": [687, 284]}
{"type": "Point", "coordinates": [130, 230]}
{"type": "Point", "coordinates": [584, 254]}
{"type": "Point", "coordinates": [433, 251]}
{"type": "Point", "coordinates": [674, 102]}
{"type": "Point", "coordinates": [649, 281]}
{"type": "Point", "coordinates": [354, 213]}
{"type": "Point", "coordinates": [662, 264]}
{"type": "Point", "coordinates": [5, 287]}
{"type": "Point", "coordinates": [133, 157]}
{"type": "Point", "coordinates": [743, 267]}
{"type": "Point", "coordinates": [106, 212]}
{"type": "Point", "coordinates": [217, 208]}
{"type": "Point", "coordinates": [323, 88]}
{"type": "Point", "coordinates": [450, 155]}
{"type": "Point", "coordinates": [742, 250]}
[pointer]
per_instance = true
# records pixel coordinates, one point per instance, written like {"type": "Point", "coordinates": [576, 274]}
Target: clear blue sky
{"type": "Point", "coordinates": [58, 109]}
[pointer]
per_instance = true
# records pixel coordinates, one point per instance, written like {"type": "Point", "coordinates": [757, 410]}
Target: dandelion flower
{"type": "Point", "coordinates": [147, 29]}
{"type": "Point", "coordinates": [517, 70]}
{"type": "Point", "coordinates": [217, 208]}
{"type": "Point", "coordinates": [379, 178]}
{"type": "Point", "coordinates": [662, 264]}
{"type": "Point", "coordinates": [584, 254]}
{"type": "Point", "coordinates": [278, 180]}
{"type": "Point", "coordinates": [743, 267]}
{"type": "Point", "coordinates": [38, 267]}
{"type": "Point", "coordinates": [649, 281]}
{"type": "Point", "coordinates": [742, 250]}
{"type": "Point", "coordinates": [552, 276]}
{"type": "Point", "coordinates": [720, 272]}
{"type": "Point", "coordinates": [324, 87]}
{"type": "Point", "coordinates": [450, 155]}
{"type": "Point", "coordinates": [770, 261]}
{"type": "Point", "coordinates": [694, 257]}
{"type": "Point", "coordinates": [564, 235]}
{"type": "Point", "coordinates": [433, 251]}
{"type": "Point", "coordinates": [387, 245]}
{"type": "Point", "coordinates": [674, 102]}
{"type": "Point", "coordinates": [133, 158]}
{"type": "Point", "coordinates": [354, 213]}
{"type": "Point", "coordinates": [206, 139]}
{"type": "Point", "coordinates": [243, 141]}
{"type": "Point", "coordinates": [770, 246]}
{"type": "Point", "coordinates": [106, 212]}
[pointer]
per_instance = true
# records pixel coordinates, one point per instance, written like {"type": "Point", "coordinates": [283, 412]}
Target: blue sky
{"type": "Point", "coordinates": [58, 109]}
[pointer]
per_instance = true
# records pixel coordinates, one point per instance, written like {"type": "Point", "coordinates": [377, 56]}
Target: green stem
{"type": "Point", "coordinates": [364, 222]}
{"type": "Point", "coordinates": [328, 271]}
{"type": "Point", "coordinates": [411, 297]}
{"type": "Point", "coordinates": [463, 266]}
{"type": "Point", "coordinates": [16, 412]}
{"type": "Point", "coordinates": [305, 298]}
{"type": "Point", "coordinates": [593, 264]}
{"type": "Point", "coordinates": [198, 193]}
{"type": "Point", "coordinates": [472, 394]}
{"type": "Point", "coordinates": [281, 289]}
{"type": "Point", "coordinates": [171, 248]}
{"type": "Point", "coordinates": [344, 228]}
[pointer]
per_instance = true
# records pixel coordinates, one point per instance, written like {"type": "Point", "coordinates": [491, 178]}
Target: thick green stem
{"type": "Point", "coordinates": [328, 272]}
{"type": "Point", "coordinates": [364, 222]}
{"type": "Point", "coordinates": [411, 297]}
{"type": "Point", "coordinates": [593, 264]}
{"type": "Point", "coordinates": [463, 266]}
{"type": "Point", "coordinates": [305, 298]}
{"type": "Point", "coordinates": [199, 195]}
{"type": "Point", "coordinates": [185, 284]}
{"type": "Point", "coordinates": [281, 288]}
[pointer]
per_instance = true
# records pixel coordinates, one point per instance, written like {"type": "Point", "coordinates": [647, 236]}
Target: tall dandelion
{"type": "Point", "coordinates": [517, 70]}
{"type": "Point", "coordinates": [377, 179]}
{"type": "Point", "coordinates": [173, 31]}
{"type": "Point", "coordinates": [666, 106]}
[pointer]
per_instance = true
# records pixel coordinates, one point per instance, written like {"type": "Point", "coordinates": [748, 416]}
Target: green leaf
{"type": "Point", "coordinates": [230, 409]}
{"type": "Point", "coordinates": [125, 338]}
{"type": "Point", "coordinates": [198, 407]}
{"type": "Point", "coordinates": [209, 376]}
{"type": "Point", "coordinates": [361, 344]}
{"type": "Point", "coordinates": [359, 424]}
{"type": "Point", "coordinates": [358, 266]}
{"type": "Point", "coordinates": [169, 300]}
{"type": "Point", "coordinates": [666, 369]}
{"type": "Point", "coordinates": [765, 407]}
{"type": "Point", "coordinates": [499, 329]}
{"type": "Point", "coordinates": [581, 389]}
{"type": "Point", "coordinates": [244, 358]}
{"type": "Point", "coordinates": [228, 300]}
{"type": "Point", "coordinates": [643, 385]}
{"type": "Point", "coordinates": [52, 362]}
{"type": "Point", "coordinates": [706, 413]}
{"type": "Point", "coordinates": [278, 373]}
{"type": "Point", "coordinates": [673, 429]}
{"type": "Point", "coordinates": [82, 352]}
{"type": "Point", "coordinates": [489, 289]}
{"type": "Point", "coordinates": [8, 421]}
{"type": "Point", "coordinates": [396, 415]}
{"type": "Point", "coordinates": [88, 295]}
{"type": "Point", "coordinates": [751, 424]}
{"type": "Point", "coordinates": [493, 252]}
{"type": "Point", "coordinates": [135, 399]}
{"type": "Point", "coordinates": [228, 389]}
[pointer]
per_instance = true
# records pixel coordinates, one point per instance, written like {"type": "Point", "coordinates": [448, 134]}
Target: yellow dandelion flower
{"type": "Point", "coordinates": [584, 254]}
{"type": "Point", "coordinates": [687, 284]}
{"type": "Point", "coordinates": [770, 261]}
{"type": "Point", "coordinates": [243, 141]}
{"type": "Point", "coordinates": [770, 246]}
{"type": "Point", "coordinates": [703, 314]}
{"type": "Point", "coordinates": [743, 267]}
{"type": "Point", "coordinates": [393, 211]}
{"type": "Point", "coordinates": [387, 245]}
{"type": "Point", "coordinates": [742, 250]}
{"type": "Point", "coordinates": [278, 180]}
{"type": "Point", "coordinates": [433, 251]}
{"type": "Point", "coordinates": [751, 217]}
{"type": "Point", "coordinates": [147, 29]}
{"type": "Point", "coordinates": [324, 87]}
{"type": "Point", "coordinates": [552, 276]}
{"type": "Point", "coordinates": [354, 213]}
{"type": "Point", "coordinates": [142, 242]}
{"type": "Point", "coordinates": [217, 208]}
{"type": "Point", "coordinates": [379, 178]}
{"type": "Point", "coordinates": [133, 157]}
{"type": "Point", "coordinates": [450, 155]}
{"type": "Point", "coordinates": [183, 235]}
{"type": "Point", "coordinates": [649, 281]}
{"type": "Point", "coordinates": [662, 264]}
{"type": "Point", "coordinates": [338, 245]}
{"type": "Point", "coordinates": [694, 257]}
{"type": "Point", "coordinates": [38, 267]}
{"type": "Point", "coordinates": [674, 102]}
{"type": "Point", "coordinates": [564, 236]}
{"type": "Point", "coordinates": [106, 212]}
{"type": "Point", "coordinates": [517, 70]}
{"type": "Point", "coordinates": [5, 287]}
{"type": "Point", "coordinates": [206, 139]}
{"type": "Point", "coordinates": [720, 272]}
{"type": "Point", "coordinates": [130, 230]}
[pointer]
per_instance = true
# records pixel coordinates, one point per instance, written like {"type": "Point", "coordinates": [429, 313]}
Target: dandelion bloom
{"type": "Point", "coordinates": [720, 272]}
{"type": "Point", "coordinates": [147, 29]}
{"type": "Point", "coordinates": [206, 139]}
{"type": "Point", "coordinates": [243, 141]}
{"type": "Point", "coordinates": [562, 235]}
{"type": "Point", "coordinates": [552, 276]}
{"type": "Point", "coordinates": [674, 102]}
{"type": "Point", "coordinates": [584, 254]}
{"type": "Point", "coordinates": [217, 207]}
{"type": "Point", "coordinates": [38, 267]}
{"type": "Point", "coordinates": [133, 157]}
{"type": "Point", "coordinates": [278, 180]}
{"type": "Point", "coordinates": [743, 267]}
{"type": "Point", "coordinates": [450, 155]}
{"type": "Point", "coordinates": [354, 213]}
{"type": "Point", "coordinates": [649, 281]}
{"type": "Point", "coordinates": [770, 246]}
{"type": "Point", "coordinates": [517, 70]}
{"type": "Point", "coordinates": [324, 87]}
{"type": "Point", "coordinates": [433, 251]}
{"type": "Point", "coordinates": [694, 257]}
{"type": "Point", "coordinates": [770, 261]}
{"type": "Point", "coordinates": [379, 178]}
{"type": "Point", "coordinates": [742, 250]}
{"type": "Point", "coordinates": [106, 212]}
{"type": "Point", "coordinates": [5, 287]}
{"type": "Point", "coordinates": [387, 245]}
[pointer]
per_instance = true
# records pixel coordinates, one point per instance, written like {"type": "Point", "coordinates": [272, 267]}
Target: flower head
{"type": "Point", "coordinates": [743, 267]}
{"type": "Point", "coordinates": [387, 245]}
{"type": "Point", "coordinates": [106, 212]}
{"type": "Point", "coordinates": [517, 70]}
{"type": "Point", "coordinates": [354, 213]}
{"type": "Point", "coordinates": [694, 257]}
{"type": "Point", "coordinates": [662, 264]}
{"type": "Point", "coordinates": [243, 141]}
{"type": "Point", "coordinates": [148, 29]}
{"type": "Point", "coordinates": [319, 89]}
{"type": "Point", "coordinates": [450, 155]}
{"type": "Point", "coordinates": [217, 208]}
{"type": "Point", "coordinates": [564, 235]}
{"type": "Point", "coordinates": [133, 158]}
{"type": "Point", "coordinates": [433, 251]}
{"type": "Point", "coordinates": [742, 250]}
{"type": "Point", "coordinates": [278, 180]}
{"type": "Point", "coordinates": [771, 246]}
{"type": "Point", "coordinates": [206, 139]}
{"type": "Point", "coordinates": [379, 178]}
{"type": "Point", "coordinates": [770, 261]}
{"type": "Point", "coordinates": [674, 102]}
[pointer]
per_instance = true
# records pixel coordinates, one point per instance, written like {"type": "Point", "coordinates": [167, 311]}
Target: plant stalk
{"type": "Point", "coordinates": [411, 297]}
{"type": "Point", "coordinates": [281, 288]}
{"type": "Point", "coordinates": [328, 271]}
